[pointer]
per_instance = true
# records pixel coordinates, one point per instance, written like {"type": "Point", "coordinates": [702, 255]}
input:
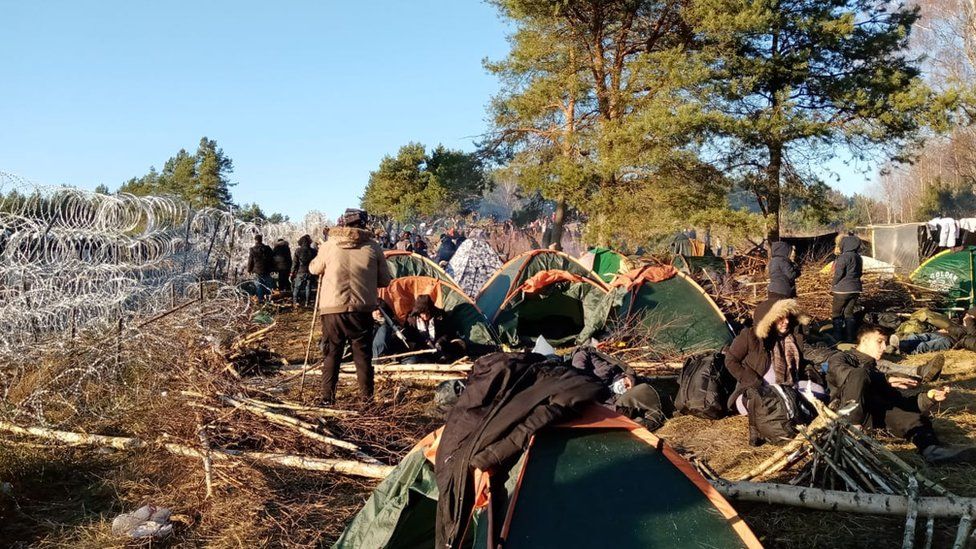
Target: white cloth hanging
{"type": "Point", "coordinates": [948, 230]}
{"type": "Point", "coordinates": [968, 224]}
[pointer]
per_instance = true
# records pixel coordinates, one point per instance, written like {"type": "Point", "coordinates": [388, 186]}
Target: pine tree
{"type": "Point", "coordinates": [793, 80]}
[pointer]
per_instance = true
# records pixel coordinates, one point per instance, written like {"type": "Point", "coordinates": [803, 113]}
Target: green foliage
{"type": "Point", "coordinates": [102, 188]}
{"type": "Point", "coordinates": [416, 184]}
{"type": "Point", "coordinates": [202, 179]}
{"type": "Point", "coordinates": [594, 110]}
{"type": "Point", "coordinates": [793, 76]}
{"type": "Point", "coordinates": [947, 199]}
{"type": "Point", "coordinates": [253, 213]}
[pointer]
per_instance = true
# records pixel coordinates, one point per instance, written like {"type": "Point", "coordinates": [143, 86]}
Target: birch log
{"type": "Point", "coordinates": [850, 502]}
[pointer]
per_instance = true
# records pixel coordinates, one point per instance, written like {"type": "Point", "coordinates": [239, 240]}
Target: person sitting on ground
{"type": "Point", "coordinates": [629, 394]}
{"type": "Point", "coordinates": [301, 278]}
{"type": "Point", "coordinates": [281, 256]}
{"type": "Point", "coordinates": [426, 328]}
{"type": "Point", "coordinates": [783, 271]}
{"type": "Point", "coordinates": [389, 337]}
{"type": "Point", "coordinates": [853, 378]}
{"type": "Point", "coordinates": [771, 352]}
{"type": "Point", "coordinates": [949, 334]}
{"type": "Point", "coordinates": [260, 264]}
{"type": "Point", "coordinates": [846, 288]}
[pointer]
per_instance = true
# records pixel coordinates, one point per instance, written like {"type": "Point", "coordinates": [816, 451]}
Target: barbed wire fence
{"type": "Point", "coordinates": [81, 273]}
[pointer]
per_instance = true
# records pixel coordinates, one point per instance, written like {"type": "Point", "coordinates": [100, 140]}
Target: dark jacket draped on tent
{"type": "Point", "coordinates": [509, 396]}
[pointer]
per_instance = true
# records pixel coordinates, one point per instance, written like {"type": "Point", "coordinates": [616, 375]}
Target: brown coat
{"type": "Point", "coordinates": [748, 357]}
{"type": "Point", "coordinates": [352, 268]}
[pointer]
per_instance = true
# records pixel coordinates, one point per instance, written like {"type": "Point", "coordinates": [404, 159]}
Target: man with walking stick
{"type": "Point", "coordinates": [351, 267]}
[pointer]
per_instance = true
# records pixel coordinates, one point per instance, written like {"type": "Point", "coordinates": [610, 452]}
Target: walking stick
{"type": "Point", "coordinates": [311, 332]}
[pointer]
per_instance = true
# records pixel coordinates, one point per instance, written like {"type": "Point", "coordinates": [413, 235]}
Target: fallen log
{"type": "Point", "coordinates": [343, 466]}
{"type": "Point", "coordinates": [120, 443]}
{"type": "Point", "coordinates": [849, 502]}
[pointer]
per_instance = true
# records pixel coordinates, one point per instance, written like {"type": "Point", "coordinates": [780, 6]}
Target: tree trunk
{"type": "Point", "coordinates": [774, 199]}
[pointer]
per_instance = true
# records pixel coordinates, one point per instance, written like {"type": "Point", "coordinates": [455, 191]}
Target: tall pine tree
{"type": "Point", "coordinates": [793, 81]}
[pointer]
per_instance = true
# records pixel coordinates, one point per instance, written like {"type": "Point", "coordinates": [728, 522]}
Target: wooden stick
{"type": "Point", "coordinates": [433, 368]}
{"type": "Point", "coordinates": [777, 459]}
{"type": "Point", "coordinates": [929, 532]}
{"type": "Point", "coordinates": [285, 405]}
{"type": "Point", "coordinates": [851, 502]}
{"type": "Point", "coordinates": [908, 540]}
{"type": "Point", "coordinates": [343, 466]}
{"type": "Point", "coordinates": [311, 333]}
{"type": "Point", "coordinates": [965, 525]}
{"type": "Point", "coordinates": [121, 443]}
{"type": "Point", "coordinates": [408, 354]}
{"type": "Point", "coordinates": [207, 460]}
{"type": "Point", "coordinates": [305, 428]}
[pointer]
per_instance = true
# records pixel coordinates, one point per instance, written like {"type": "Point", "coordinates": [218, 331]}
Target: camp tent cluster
{"type": "Point", "coordinates": [550, 294]}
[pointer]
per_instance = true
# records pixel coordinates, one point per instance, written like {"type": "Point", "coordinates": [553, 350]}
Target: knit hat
{"type": "Point", "coordinates": [353, 217]}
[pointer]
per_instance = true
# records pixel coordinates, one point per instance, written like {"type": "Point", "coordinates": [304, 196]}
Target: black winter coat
{"type": "Point", "coordinates": [446, 250]}
{"type": "Point", "coordinates": [748, 357]}
{"type": "Point", "coordinates": [281, 256]}
{"type": "Point", "coordinates": [840, 367]}
{"type": "Point", "coordinates": [303, 257]}
{"type": "Point", "coordinates": [847, 267]}
{"type": "Point", "coordinates": [508, 398]}
{"type": "Point", "coordinates": [782, 271]}
{"type": "Point", "coordinates": [259, 260]}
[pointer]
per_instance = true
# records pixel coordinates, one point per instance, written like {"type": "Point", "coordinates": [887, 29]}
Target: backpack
{"type": "Point", "coordinates": [704, 387]}
{"type": "Point", "coordinates": [775, 411]}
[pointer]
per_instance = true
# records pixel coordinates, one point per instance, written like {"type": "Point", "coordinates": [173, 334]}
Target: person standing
{"type": "Point", "coordinates": [259, 263]}
{"type": "Point", "coordinates": [301, 278]}
{"type": "Point", "coordinates": [783, 271]}
{"type": "Point", "coordinates": [281, 256]}
{"type": "Point", "coordinates": [846, 288]}
{"type": "Point", "coordinates": [353, 268]}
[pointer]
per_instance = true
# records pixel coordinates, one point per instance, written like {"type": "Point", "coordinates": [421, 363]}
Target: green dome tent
{"type": "Point", "coordinates": [415, 275]}
{"type": "Point", "coordinates": [410, 264]}
{"type": "Point", "coordinates": [606, 262]}
{"type": "Point", "coordinates": [679, 315]}
{"type": "Point", "coordinates": [950, 272]}
{"type": "Point", "coordinates": [639, 493]}
{"type": "Point", "coordinates": [544, 293]}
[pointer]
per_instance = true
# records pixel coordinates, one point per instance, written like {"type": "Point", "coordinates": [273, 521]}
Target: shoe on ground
{"type": "Point", "coordinates": [931, 370]}
{"type": "Point", "coordinates": [949, 454]}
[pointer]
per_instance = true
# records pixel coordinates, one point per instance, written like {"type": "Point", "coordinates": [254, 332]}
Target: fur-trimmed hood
{"type": "Point", "coordinates": [350, 237]}
{"type": "Point", "coordinates": [769, 311]}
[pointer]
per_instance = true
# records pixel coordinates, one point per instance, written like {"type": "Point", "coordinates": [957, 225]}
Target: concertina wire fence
{"type": "Point", "coordinates": [75, 261]}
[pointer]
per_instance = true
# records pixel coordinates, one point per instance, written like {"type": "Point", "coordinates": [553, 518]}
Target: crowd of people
{"type": "Point", "coordinates": [844, 365]}
{"type": "Point", "coordinates": [847, 368]}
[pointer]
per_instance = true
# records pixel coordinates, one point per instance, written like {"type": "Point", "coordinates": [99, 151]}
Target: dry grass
{"type": "Point", "coordinates": [723, 445]}
{"type": "Point", "coordinates": [67, 497]}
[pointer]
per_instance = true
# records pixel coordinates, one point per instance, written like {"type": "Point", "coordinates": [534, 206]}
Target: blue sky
{"type": "Point", "coordinates": [306, 97]}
